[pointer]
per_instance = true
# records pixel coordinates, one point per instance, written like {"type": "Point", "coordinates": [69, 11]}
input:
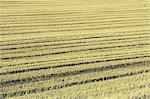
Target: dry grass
{"type": "Point", "coordinates": [75, 49]}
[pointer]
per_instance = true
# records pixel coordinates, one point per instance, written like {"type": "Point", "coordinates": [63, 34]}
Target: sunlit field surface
{"type": "Point", "coordinates": [75, 49]}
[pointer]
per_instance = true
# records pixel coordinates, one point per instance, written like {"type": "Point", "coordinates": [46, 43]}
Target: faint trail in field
{"type": "Point", "coordinates": [64, 52]}
{"type": "Point", "coordinates": [70, 65]}
{"type": "Point", "coordinates": [146, 35]}
{"type": "Point", "coordinates": [64, 38]}
{"type": "Point", "coordinates": [72, 46]}
{"type": "Point", "coordinates": [73, 84]}
{"type": "Point", "coordinates": [67, 30]}
{"type": "Point", "coordinates": [50, 76]}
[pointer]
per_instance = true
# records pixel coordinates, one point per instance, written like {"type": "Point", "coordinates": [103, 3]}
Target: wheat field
{"type": "Point", "coordinates": [75, 49]}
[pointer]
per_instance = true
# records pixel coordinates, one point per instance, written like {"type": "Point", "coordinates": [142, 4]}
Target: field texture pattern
{"type": "Point", "coordinates": [75, 49]}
